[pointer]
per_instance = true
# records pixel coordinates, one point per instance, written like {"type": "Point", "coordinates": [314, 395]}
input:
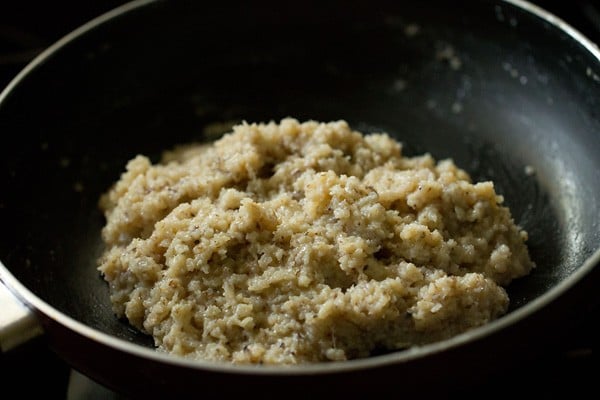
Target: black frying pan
{"type": "Point", "coordinates": [500, 86]}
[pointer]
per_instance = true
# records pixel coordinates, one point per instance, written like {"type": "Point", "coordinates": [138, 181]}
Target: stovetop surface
{"type": "Point", "coordinates": [29, 26]}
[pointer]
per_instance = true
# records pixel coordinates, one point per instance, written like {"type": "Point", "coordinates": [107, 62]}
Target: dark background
{"type": "Point", "coordinates": [27, 27]}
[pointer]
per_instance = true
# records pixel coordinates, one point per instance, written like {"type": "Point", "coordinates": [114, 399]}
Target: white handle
{"type": "Point", "coordinates": [18, 323]}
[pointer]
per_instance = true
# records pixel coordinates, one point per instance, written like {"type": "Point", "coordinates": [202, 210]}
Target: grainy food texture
{"type": "Point", "coordinates": [289, 242]}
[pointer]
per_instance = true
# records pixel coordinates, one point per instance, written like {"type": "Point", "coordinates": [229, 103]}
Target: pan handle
{"type": "Point", "coordinates": [18, 323]}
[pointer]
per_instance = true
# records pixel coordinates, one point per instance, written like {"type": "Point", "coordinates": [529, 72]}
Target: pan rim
{"type": "Point", "coordinates": [40, 306]}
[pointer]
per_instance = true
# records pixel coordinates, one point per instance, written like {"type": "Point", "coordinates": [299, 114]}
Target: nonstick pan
{"type": "Point", "coordinates": [508, 91]}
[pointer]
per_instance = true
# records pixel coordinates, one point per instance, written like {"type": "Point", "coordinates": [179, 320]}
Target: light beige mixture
{"type": "Point", "coordinates": [291, 243]}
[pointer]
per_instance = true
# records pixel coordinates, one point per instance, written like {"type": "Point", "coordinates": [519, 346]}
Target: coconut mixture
{"type": "Point", "coordinates": [304, 242]}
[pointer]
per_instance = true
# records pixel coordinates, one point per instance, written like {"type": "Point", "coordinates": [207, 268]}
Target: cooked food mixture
{"type": "Point", "coordinates": [304, 242]}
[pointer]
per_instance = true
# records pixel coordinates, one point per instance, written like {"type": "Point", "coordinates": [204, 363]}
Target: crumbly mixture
{"type": "Point", "coordinates": [304, 242]}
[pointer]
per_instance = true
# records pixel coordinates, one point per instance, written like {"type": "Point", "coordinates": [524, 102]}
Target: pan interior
{"type": "Point", "coordinates": [508, 97]}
